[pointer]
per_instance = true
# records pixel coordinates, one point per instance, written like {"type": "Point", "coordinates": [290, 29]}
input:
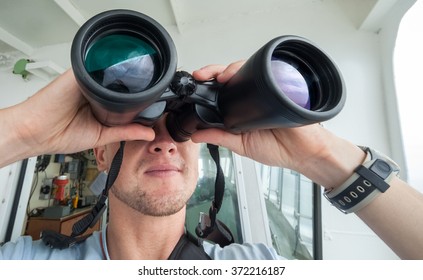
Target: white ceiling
{"type": "Point", "coordinates": [27, 25]}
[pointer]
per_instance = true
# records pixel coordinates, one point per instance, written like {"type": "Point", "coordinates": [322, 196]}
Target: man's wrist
{"type": "Point", "coordinates": [13, 146]}
{"type": "Point", "coordinates": [335, 166]}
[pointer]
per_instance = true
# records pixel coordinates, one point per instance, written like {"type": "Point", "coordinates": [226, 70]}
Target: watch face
{"type": "Point", "coordinates": [383, 165]}
{"type": "Point", "coordinates": [381, 168]}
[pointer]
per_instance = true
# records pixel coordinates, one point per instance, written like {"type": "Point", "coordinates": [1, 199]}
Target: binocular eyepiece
{"type": "Point", "coordinates": [125, 64]}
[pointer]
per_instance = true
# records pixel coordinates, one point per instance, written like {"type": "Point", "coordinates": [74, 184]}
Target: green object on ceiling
{"type": "Point", "coordinates": [20, 67]}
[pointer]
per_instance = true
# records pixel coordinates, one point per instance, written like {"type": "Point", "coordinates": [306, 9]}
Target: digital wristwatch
{"type": "Point", "coordinates": [370, 179]}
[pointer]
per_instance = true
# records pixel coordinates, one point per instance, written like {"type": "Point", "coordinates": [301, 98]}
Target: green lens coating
{"type": "Point", "coordinates": [122, 63]}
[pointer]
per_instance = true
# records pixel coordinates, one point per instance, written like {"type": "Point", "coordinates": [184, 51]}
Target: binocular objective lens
{"type": "Point", "coordinates": [122, 63]}
{"type": "Point", "coordinates": [291, 82]}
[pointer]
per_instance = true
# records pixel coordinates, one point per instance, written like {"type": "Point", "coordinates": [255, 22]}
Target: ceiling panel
{"type": "Point", "coordinates": [37, 23]}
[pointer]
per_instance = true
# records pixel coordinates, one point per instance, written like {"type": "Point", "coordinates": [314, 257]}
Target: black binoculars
{"type": "Point", "coordinates": [125, 64]}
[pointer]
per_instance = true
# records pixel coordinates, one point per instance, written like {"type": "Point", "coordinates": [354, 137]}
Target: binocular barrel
{"type": "Point", "coordinates": [125, 64]}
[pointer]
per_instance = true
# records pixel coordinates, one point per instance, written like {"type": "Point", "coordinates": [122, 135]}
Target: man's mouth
{"type": "Point", "coordinates": [162, 170]}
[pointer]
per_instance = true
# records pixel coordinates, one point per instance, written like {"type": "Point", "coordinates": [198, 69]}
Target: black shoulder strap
{"type": "Point", "coordinates": [209, 227]}
{"type": "Point", "coordinates": [189, 248]}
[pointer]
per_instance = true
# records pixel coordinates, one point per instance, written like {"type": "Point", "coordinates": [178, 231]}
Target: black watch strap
{"type": "Point", "coordinates": [370, 179]}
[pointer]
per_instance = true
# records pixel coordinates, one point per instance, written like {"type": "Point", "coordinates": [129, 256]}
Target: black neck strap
{"type": "Point", "coordinates": [91, 219]}
{"type": "Point", "coordinates": [209, 227]}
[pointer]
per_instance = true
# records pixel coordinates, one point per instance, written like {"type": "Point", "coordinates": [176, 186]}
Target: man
{"type": "Point", "coordinates": [147, 201]}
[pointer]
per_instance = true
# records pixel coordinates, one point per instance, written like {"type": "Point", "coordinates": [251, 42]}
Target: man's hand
{"type": "Point", "coordinates": [286, 147]}
{"type": "Point", "coordinates": [58, 119]}
{"type": "Point", "coordinates": [311, 150]}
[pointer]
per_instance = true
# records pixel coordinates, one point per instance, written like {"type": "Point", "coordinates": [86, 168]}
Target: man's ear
{"type": "Point", "coordinates": [101, 158]}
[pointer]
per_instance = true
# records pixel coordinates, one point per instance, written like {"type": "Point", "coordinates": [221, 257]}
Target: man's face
{"type": "Point", "coordinates": [156, 178]}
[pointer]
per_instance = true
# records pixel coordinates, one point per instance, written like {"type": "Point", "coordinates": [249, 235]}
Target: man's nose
{"type": "Point", "coordinates": [163, 142]}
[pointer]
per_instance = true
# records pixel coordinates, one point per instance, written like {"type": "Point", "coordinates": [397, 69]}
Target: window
{"type": "Point", "coordinates": [408, 61]}
{"type": "Point", "coordinates": [291, 202]}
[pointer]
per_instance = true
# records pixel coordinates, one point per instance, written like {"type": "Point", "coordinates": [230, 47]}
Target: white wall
{"type": "Point", "coordinates": [359, 55]}
{"type": "Point", "coordinates": [14, 89]}
{"type": "Point", "coordinates": [9, 177]}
